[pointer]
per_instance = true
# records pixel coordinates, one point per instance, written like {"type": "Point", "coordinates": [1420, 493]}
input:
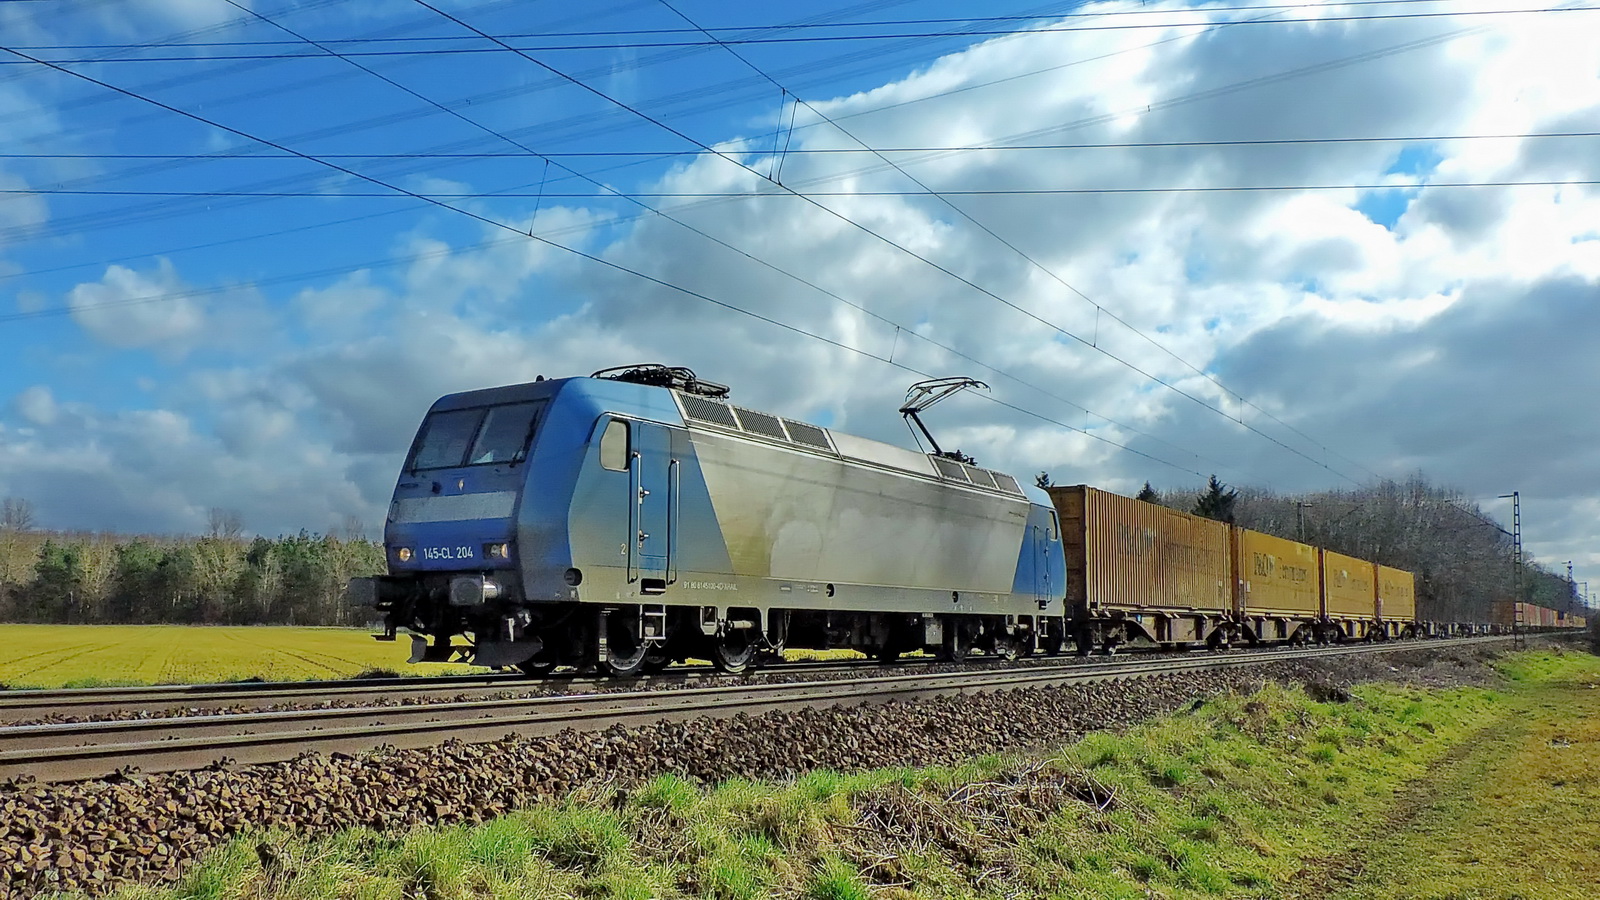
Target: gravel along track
{"type": "Point", "coordinates": [86, 750]}
{"type": "Point", "coordinates": [93, 835]}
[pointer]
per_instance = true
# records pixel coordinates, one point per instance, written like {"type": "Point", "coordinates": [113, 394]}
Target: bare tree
{"type": "Point", "coordinates": [227, 524]}
{"type": "Point", "coordinates": [16, 514]}
{"type": "Point", "coordinates": [354, 529]}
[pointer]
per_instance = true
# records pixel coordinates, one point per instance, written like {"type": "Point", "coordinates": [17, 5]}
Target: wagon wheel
{"type": "Point", "coordinates": [735, 653]}
{"type": "Point", "coordinates": [887, 652]}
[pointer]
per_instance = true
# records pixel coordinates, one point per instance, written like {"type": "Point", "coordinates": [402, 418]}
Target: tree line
{"type": "Point", "coordinates": [219, 579]}
{"type": "Point", "coordinates": [1462, 557]}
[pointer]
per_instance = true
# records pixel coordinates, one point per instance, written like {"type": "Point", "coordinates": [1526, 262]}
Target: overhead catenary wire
{"type": "Point", "coordinates": [730, 247]}
{"type": "Point", "coordinates": [1032, 17]}
{"type": "Point", "coordinates": [804, 39]}
{"type": "Point", "coordinates": [755, 195]}
{"type": "Point", "coordinates": [100, 220]}
{"type": "Point", "coordinates": [834, 151]}
{"type": "Point", "coordinates": [589, 256]}
{"type": "Point", "coordinates": [1412, 45]}
{"type": "Point", "coordinates": [346, 128]}
{"type": "Point", "coordinates": [857, 225]}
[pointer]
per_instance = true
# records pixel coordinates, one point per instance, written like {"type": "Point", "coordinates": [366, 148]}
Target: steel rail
{"type": "Point", "coordinates": [88, 750]}
{"type": "Point", "coordinates": [22, 705]}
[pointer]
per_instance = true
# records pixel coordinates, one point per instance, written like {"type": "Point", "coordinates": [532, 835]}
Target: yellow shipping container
{"type": "Point", "coordinates": [1275, 576]}
{"type": "Point", "coordinates": [1348, 586]}
{"type": "Point", "coordinates": [1397, 595]}
{"type": "Point", "coordinates": [1131, 555]}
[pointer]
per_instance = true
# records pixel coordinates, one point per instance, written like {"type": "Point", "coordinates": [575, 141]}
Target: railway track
{"type": "Point", "coordinates": [88, 750]}
{"type": "Point", "coordinates": [156, 701]}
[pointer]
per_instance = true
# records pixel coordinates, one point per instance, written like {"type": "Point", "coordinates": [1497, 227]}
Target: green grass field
{"type": "Point", "coordinates": [52, 656]}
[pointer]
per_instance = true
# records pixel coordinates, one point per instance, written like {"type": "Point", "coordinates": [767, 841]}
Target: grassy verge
{"type": "Point", "coordinates": [1513, 816]}
{"type": "Point", "coordinates": [1268, 795]}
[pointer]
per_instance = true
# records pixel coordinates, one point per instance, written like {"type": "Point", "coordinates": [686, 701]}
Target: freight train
{"type": "Point", "coordinates": [637, 517]}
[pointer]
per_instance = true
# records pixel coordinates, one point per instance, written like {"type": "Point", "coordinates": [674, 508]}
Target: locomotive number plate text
{"type": "Point", "coordinates": [446, 552]}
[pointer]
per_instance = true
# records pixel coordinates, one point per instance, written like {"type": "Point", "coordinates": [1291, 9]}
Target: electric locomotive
{"type": "Point", "coordinates": [636, 517]}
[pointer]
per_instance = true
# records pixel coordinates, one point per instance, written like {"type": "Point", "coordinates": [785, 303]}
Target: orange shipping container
{"type": "Point", "coordinates": [1127, 554]}
{"type": "Point", "coordinates": [1276, 576]}
{"type": "Point", "coordinates": [1397, 595]}
{"type": "Point", "coordinates": [1502, 612]}
{"type": "Point", "coordinates": [1347, 586]}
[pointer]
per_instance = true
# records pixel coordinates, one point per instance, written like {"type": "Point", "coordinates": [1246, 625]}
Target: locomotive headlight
{"type": "Point", "coordinates": [496, 551]}
{"type": "Point", "coordinates": [403, 554]}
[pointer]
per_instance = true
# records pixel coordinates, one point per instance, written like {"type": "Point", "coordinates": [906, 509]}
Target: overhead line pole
{"type": "Point", "coordinates": [1517, 639]}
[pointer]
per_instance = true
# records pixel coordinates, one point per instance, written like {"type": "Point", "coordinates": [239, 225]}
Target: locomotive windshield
{"type": "Point", "coordinates": [476, 437]}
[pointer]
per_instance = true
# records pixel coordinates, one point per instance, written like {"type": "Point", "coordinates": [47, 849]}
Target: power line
{"type": "Point", "coordinates": [803, 39]}
{"type": "Point", "coordinates": [344, 129]}
{"type": "Point", "coordinates": [742, 28]}
{"type": "Point", "coordinates": [834, 151]}
{"type": "Point", "coordinates": [1135, 368]}
{"type": "Point", "coordinates": [847, 220]}
{"type": "Point", "coordinates": [165, 210]}
{"type": "Point", "coordinates": [593, 258]}
{"type": "Point", "coordinates": [760, 195]}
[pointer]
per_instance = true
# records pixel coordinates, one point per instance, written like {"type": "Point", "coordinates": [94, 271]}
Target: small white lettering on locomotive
{"type": "Point", "coordinates": [710, 586]}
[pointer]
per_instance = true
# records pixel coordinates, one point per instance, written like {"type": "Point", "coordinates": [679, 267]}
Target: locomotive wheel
{"type": "Point", "coordinates": [625, 654]}
{"type": "Point", "coordinates": [655, 660]}
{"type": "Point", "coordinates": [735, 653]}
{"type": "Point", "coordinates": [886, 654]}
{"type": "Point", "coordinates": [957, 643]}
{"type": "Point", "coordinates": [1007, 647]}
{"type": "Point", "coordinates": [539, 666]}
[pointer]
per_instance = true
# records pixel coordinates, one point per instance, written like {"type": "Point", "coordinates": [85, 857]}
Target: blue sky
{"type": "Point", "coordinates": [171, 342]}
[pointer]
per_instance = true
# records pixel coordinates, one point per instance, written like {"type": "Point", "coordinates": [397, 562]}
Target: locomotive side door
{"type": "Point", "coordinates": [1043, 536]}
{"type": "Point", "coordinates": [653, 506]}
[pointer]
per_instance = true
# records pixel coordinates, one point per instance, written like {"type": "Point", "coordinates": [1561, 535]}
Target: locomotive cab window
{"type": "Point", "coordinates": [505, 433]}
{"type": "Point", "coordinates": [614, 446]}
{"type": "Point", "coordinates": [473, 437]}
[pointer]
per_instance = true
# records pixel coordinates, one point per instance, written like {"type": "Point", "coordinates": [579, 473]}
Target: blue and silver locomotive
{"type": "Point", "coordinates": [636, 517]}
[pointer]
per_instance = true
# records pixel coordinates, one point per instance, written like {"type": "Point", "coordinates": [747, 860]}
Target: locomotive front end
{"type": "Point", "coordinates": [451, 538]}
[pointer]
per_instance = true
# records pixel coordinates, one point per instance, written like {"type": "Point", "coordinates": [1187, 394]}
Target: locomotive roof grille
{"type": "Point", "coordinates": [760, 423]}
{"type": "Point", "coordinates": [979, 477]}
{"type": "Point", "coordinates": [753, 422]}
{"type": "Point", "coordinates": [707, 411]}
{"type": "Point", "coordinates": [1006, 483]}
{"type": "Point", "coordinates": [702, 410]}
{"type": "Point", "coordinates": [811, 435]}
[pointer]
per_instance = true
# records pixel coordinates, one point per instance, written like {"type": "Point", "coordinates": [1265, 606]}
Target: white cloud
{"type": "Point", "coordinates": [37, 405]}
{"type": "Point", "coordinates": [1453, 340]}
{"type": "Point", "coordinates": [128, 309]}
